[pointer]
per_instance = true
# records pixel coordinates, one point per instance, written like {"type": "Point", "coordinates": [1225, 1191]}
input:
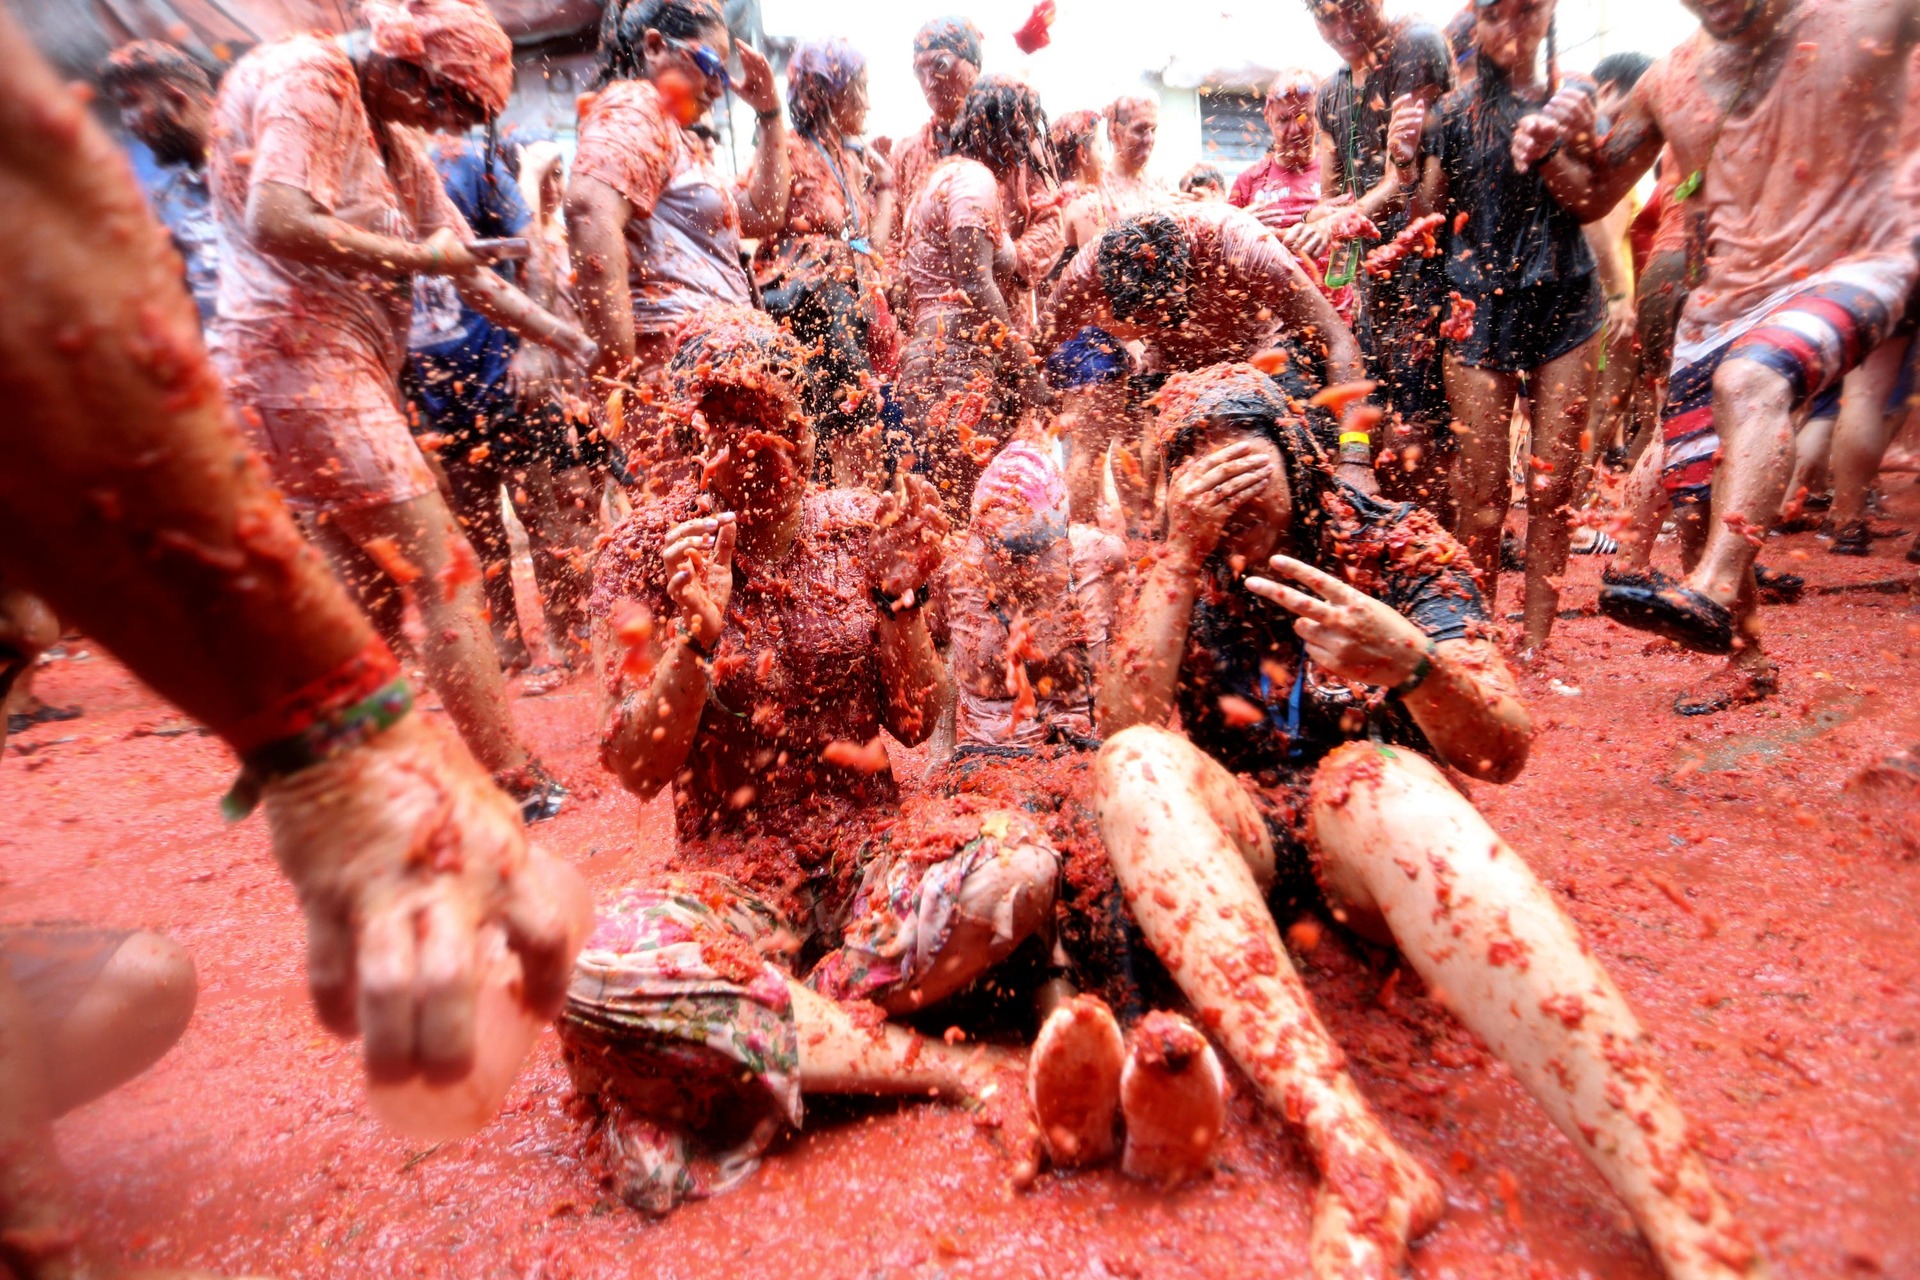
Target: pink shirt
{"type": "Point", "coordinates": [299, 335]}
{"type": "Point", "coordinates": [959, 194]}
{"type": "Point", "coordinates": [683, 238]}
{"type": "Point", "coordinates": [1289, 193]}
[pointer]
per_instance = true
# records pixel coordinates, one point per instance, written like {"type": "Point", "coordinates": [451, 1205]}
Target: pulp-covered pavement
{"type": "Point", "coordinates": [1758, 912]}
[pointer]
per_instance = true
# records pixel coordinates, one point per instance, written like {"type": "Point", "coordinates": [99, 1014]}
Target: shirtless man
{"type": "Point", "coordinates": [946, 62]}
{"type": "Point", "coordinates": [1785, 115]}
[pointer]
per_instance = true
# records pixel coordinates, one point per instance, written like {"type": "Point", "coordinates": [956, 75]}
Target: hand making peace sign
{"type": "Point", "coordinates": [1347, 632]}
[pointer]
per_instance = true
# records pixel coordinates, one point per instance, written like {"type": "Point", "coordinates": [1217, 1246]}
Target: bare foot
{"type": "Point", "coordinates": [1371, 1204]}
{"type": "Point", "coordinates": [1073, 1078]}
{"type": "Point", "coordinates": [994, 1090]}
{"type": "Point", "coordinates": [1174, 1095]}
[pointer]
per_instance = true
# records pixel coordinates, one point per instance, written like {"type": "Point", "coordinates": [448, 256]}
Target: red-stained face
{"type": "Point", "coordinates": [1351, 28]}
{"type": "Point", "coordinates": [1133, 130]}
{"type": "Point", "coordinates": [674, 67]}
{"type": "Point", "coordinates": [850, 112]}
{"type": "Point", "coordinates": [409, 94]}
{"type": "Point", "coordinates": [164, 117]}
{"type": "Point", "coordinates": [1290, 119]}
{"type": "Point", "coordinates": [1508, 33]}
{"type": "Point", "coordinates": [756, 458]}
{"type": "Point", "coordinates": [945, 77]}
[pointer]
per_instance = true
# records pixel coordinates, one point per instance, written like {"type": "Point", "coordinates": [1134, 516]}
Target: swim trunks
{"type": "Point", "coordinates": [1811, 333]}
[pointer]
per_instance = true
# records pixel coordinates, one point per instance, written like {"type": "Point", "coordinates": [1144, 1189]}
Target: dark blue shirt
{"type": "Point", "coordinates": [460, 357]}
{"type": "Point", "coordinates": [179, 198]}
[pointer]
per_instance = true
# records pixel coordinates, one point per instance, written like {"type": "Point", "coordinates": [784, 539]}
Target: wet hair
{"type": "Point", "coordinates": [730, 353]}
{"type": "Point", "coordinates": [999, 124]}
{"type": "Point", "coordinates": [1202, 175]}
{"type": "Point", "coordinates": [153, 62]}
{"type": "Point", "coordinates": [1622, 70]}
{"type": "Point", "coordinates": [1240, 395]}
{"type": "Point", "coordinates": [1293, 80]}
{"type": "Point", "coordinates": [1126, 105]}
{"type": "Point", "coordinates": [625, 23]}
{"type": "Point", "coordinates": [818, 77]}
{"type": "Point", "coordinates": [1072, 136]}
{"type": "Point", "coordinates": [1144, 264]}
{"type": "Point", "coordinates": [955, 35]}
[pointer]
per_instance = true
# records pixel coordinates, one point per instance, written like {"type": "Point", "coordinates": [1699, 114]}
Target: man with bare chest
{"type": "Point", "coordinates": [1785, 118]}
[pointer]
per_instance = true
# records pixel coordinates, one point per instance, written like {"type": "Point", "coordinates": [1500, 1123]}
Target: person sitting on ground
{"type": "Point", "coordinates": [655, 228]}
{"type": "Point", "coordinates": [981, 238]}
{"type": "Point", "coordinates": [821, 272]}
{"type": "Point", "coordinates": [328, 206]}
{"type": "Point", "coordinates": [1311, 703]}
{"type": "Point", "coordinates": [756, 635]}
{"type": "Point", "coordinates": [202, 585]}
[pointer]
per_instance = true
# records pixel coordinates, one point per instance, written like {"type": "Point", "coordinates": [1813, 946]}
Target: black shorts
{"type": "Point", "coordinates": [1397, 331]}
{"type": "Point", "coordinates": [1521, 329]}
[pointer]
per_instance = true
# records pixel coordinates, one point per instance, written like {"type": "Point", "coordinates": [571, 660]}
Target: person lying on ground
{"type": "Point", "coordinates": [756, 635]}
{"type": "Point", "coordinates": [1315, 703]}
{"type": "Point", "coordinates": [131, 504]}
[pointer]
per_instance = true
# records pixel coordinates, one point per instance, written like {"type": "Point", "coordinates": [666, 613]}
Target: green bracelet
{"type": "Point", "coordinates": [1419, 676]}
{"type": "Point", "coordinates": [330, 736]}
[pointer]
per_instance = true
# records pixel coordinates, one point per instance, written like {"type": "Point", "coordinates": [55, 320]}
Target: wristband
{"type": "Point", "coordinates": [892, 607]}
{"type": "Point", "coordinates": [1360, 438]}
{"type": "Point", "coordinates": [767, 117]}
{"type": "Point", "coordinates": [701, 651]}
{"type": "Point", "coordinates": [320, 722]}
{"type": "Point", "coordinates": [1419, 676]}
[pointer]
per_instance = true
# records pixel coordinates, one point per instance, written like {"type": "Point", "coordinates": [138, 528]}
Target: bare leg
{"type": "Point", "coordinates": [559, 511]}
{"type": "Point", "coordinates": [1562, 400]}
{"type": "Point", "coordinates": [1483, 424]}
{"type": "Point", "coordinates": [473, 494]}
{"type": "Point", "coordinates": [1643, 502]}
{"type": "Point", "coordinates": [39, 1233]}
{"type": "Point", "coordinates": [1753, 411]}
{"type": "Point", "coordinates": [1861, 437]}
{"type": "Point", "coordinates": [459, 653]}
{"type": "Point", "coordinates": [1812, 453]}
{"type": "Point", "coordinates": [1400, 844]}
{"type": "Point", "coordinates": [1191, 854]}
{"type": "Point", "coordinates": [134, 1011]}
{"type": "Point", "coordinates": [839, 1055]}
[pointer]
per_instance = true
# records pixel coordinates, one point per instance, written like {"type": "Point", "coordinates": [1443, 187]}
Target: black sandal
{"type": "Point", "coordinates": [1651, 601]}
{"type": "Point", "coordinates": [1776, 586]}
{"type": "Point", "coordinates": [1854, 538]}
{"type": "Point", "coordinates": [1727, 689]}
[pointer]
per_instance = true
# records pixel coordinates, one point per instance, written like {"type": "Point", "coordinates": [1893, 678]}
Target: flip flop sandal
{"type": "Point", "coordinates": [1670, 609]}
{"type": "Point", "coordinates": [1727, 690]}
{"type": "Point", "coordinates": [1777, 586]}
{"type": "Point", "coordinates": [1852, 539]}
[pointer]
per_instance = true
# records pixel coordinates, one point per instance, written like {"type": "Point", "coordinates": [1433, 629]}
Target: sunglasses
{"type": "Point", "coordinates": [711, 64]}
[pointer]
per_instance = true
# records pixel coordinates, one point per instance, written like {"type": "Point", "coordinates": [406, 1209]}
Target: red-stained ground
{"type": "Point", "coordinates": [1761, 919]}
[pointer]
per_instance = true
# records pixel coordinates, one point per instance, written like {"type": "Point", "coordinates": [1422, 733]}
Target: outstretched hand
{"type": "Point", "coordinates": [404, 855]}
{"type": "Point", "coordinates": [1345, 631]}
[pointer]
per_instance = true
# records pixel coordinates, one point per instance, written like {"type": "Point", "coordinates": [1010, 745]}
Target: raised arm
{"type": "Point", "coordinates": [763, 210]}
{"type": "Point", "coordinates": [916, 687]}
{"type": "Point", "coordinates": [597, 217]}
{"type": "Point", "coordinates": [1141, 676]}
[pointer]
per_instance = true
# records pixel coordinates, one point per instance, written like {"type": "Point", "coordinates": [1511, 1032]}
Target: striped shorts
{"type": "Point", "coordinates": [1813, 337]}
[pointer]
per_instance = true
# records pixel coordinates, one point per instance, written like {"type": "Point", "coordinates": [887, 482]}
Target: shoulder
{"type": "Point", "coordinates": [297, 70]}
{"type": "Point", "coordinates": [1096, 552]}
{"type": "Point", "coordinates": [624, 109]}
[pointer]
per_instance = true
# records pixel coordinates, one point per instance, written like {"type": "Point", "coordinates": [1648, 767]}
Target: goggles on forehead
{"type": "Point", "coordinates": [711, 64]}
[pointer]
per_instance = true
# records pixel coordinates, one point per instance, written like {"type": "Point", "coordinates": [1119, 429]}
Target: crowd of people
{"type": "Point", "coordinates": [1171, 518]}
